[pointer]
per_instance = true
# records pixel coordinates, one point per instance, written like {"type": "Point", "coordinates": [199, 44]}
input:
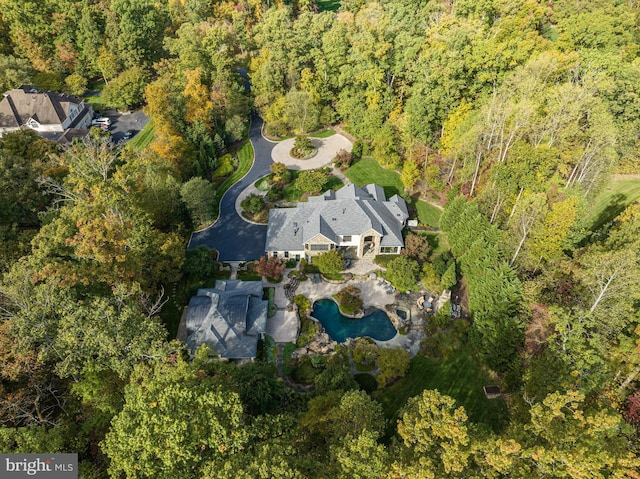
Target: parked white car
{"type": "Point", "coordinates": [101, 121]}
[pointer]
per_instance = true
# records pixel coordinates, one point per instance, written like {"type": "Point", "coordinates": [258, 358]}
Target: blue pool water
{"type": "Point", "coordinates": [375, 325]}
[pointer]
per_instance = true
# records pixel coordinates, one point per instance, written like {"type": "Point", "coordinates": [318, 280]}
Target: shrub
{"type": "Point", "coordinates": [280, 173]}
{"type": "Point", "coordinates": [291, 263]}
{"type": "Point", "coordinates": [199, 263]}
{"type": "Point", "coordinates": [331, 262]}
{"type": "Point", "coordinates": [270, 267]}
{"type": "Point", "coordinates": [76, 84]}
{"type": "Point", "coordinates": [348, 300]}
{"type": "Point", "coordinates": [275, 193]}
{"type": "Point", "coordinates": [225, 166]}
{"type": "Point", "coordinates": [127, 89]}
{"type": "Point", "coordinates": [443, 317]}
{"type": "Point", "coordinates": [449, 278]}
{"type": "Point", "coordinates": [304, 371]}
{"type": "Point", "coordinates": [253, 204]}
{"type": "Point", "coordinates": [343, 160]}
{"type": "Point", "coordinates": [403, 272]}
{"type": "Point", "coordinates": [416, 247]}
{"type": "Point", "coordinates": [393, 364]}
{"type": "Point", "coordinates": [335, 376]}
{"type": "Point", "coordinates": [357, 150]}
{"type": "Point", "coordinates": [302, 147]}
{"type": "Point", "coordinates": [430, 279]}
{"type": "Point", "coordinates": [364, 354]}
{"type": "Point", "coordinates": [198, 195]}
{"type": "Point", "coordinates": [312, 181]}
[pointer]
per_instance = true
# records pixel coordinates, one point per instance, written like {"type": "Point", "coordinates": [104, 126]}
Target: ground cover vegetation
{"type": "Point", "coordinates": [521, 119]}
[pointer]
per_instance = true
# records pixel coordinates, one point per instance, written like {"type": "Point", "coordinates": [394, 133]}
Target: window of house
{"type": "Point", "coordinates": [388, 249]}
{"type": "Point", "coordinates": [346, 238]}
{"type": "Point", "coordinates": [275, 254]}
{"type": "Point", "coordinates": [286, 254]}
{"type": "Point", "coordinates": [319, 247]}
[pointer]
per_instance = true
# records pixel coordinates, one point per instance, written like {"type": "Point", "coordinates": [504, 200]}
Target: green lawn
{"type": "Point", "coordinates": [286, 357]}
{"type": "Point", "coordinates": [328, 5]}
{"type": "Point", "coordinates": [619, 193]}
{"type": "Point", "coordinates": [428, 214]}
{"type": "Point", "coordinates": [323, 134]}
{"type": "Point", "coordinates": [143, 138]}
{"type": "Point", "coordinates": [458, 376]}
{"type": "Point", "coordinates": [438, 242]}
{"type": "Point", "coordinates": [245, 160]}
{"type": "Point", "coordinates": [93, 100]}
{"type": "Point", "coordinates": [368, 170]}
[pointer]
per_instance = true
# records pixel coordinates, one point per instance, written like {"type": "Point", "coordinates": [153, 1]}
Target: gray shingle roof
{"type": "Point", "coordinates": [47, 108]}
{"type": "Point", "coordinates": [348, 211]}
{"type": "Point", "coordinates": [229, 318]}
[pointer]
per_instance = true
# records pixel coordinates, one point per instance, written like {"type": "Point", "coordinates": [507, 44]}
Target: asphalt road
{"type": "Point", "coordinates": [233, 237]}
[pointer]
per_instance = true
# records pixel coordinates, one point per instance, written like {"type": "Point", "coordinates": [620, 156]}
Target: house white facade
{"type": "Point", "coordinates": [47, 113]}
{"type": "Point", "coordinates": [360, 222]}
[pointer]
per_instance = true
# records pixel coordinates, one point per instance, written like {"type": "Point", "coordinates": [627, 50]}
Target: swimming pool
{"type": "Point", "coordinates": [375, 325]}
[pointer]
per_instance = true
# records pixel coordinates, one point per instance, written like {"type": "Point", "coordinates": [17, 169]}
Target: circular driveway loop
{"type": "Point", "coordinates": [235, 238]}
{"type": "Point", "coordinates": [327, 150]}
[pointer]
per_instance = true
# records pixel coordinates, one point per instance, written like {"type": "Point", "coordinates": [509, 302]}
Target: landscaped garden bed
{"type": "Point", "coordinates": [349, 301]}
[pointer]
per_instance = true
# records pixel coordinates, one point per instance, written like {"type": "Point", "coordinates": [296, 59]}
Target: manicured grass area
{"type": "Point", "coordinates": [263, 183]}
{"type": "Point", "coordinates": [438, 242]}
{"type": "Point", "coordinates": [248, 276]}
{"type": "Point", "coordinates": [143, 138]}
{"type": "Point", "coordinates": [270, 294]}
{"type": "Point", "coordinates": [286, 357]}
{"type": "Point", "coordinates": [368, 170]}
{"type": "Point", "coordinates": [458, 376]}
{"type": "Point", "coordinates": [428, 214]}
{"type": "Point", "coordinates": [328, 5]}
{"type": "Point", "coordinates": [619, 193]}
{"type": "Point", "coordinates": [323, 134]}
{"type": "Point", "coordinates": [95, 100]}
{"type": "Point", "coordinates": [245, 160]}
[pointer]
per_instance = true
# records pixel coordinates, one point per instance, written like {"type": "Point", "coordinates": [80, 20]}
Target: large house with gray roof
{"type": "Point", "coordinates": [229, 318]}
{"type": "Point", "coordinates": [361, 222]}
{"type": "Point", "coordinates": [55, 116]}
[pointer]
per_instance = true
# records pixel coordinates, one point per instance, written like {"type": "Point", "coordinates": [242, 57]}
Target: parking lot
{"type": "Point", "coordinates": [121, 122]}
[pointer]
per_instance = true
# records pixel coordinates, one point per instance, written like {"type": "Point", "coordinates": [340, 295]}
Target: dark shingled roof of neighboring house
{"type": "Point", "coordinates": [47, 108]}
{"type": "Point", "coordinates": [229, 318]}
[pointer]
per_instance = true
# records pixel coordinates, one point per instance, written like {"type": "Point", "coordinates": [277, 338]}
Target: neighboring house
{"type": "Point", "coordinates": [55, 116]}
{"type": "Point", "coordinates": [230, 318]}
{"type": "Point", "coordinates": [359, 221]}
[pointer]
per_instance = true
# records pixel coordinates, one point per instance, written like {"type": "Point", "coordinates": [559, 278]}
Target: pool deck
{"type": "Point", "coordinates": [372, 295]}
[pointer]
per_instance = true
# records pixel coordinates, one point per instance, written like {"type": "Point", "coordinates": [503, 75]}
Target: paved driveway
{"type": "Point", "coordinates": [327, 150]}
{"type": "Point", "coordinates": [233, 237]}
{"type": "Point", "coordinates": [121, 122]}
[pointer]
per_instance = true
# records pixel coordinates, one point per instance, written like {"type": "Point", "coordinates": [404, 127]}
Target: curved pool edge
{"type": "Point", "coordinates": [352, 318]}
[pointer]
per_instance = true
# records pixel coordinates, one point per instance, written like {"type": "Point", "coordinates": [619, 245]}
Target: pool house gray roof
{"type": "Point", "coordinates": [229, 318]}
{"type": "Point", "coordinates": [348, 211]}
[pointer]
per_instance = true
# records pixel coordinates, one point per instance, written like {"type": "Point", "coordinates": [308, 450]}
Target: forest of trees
{"type": "Point", "coordinates": [512, 115]}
